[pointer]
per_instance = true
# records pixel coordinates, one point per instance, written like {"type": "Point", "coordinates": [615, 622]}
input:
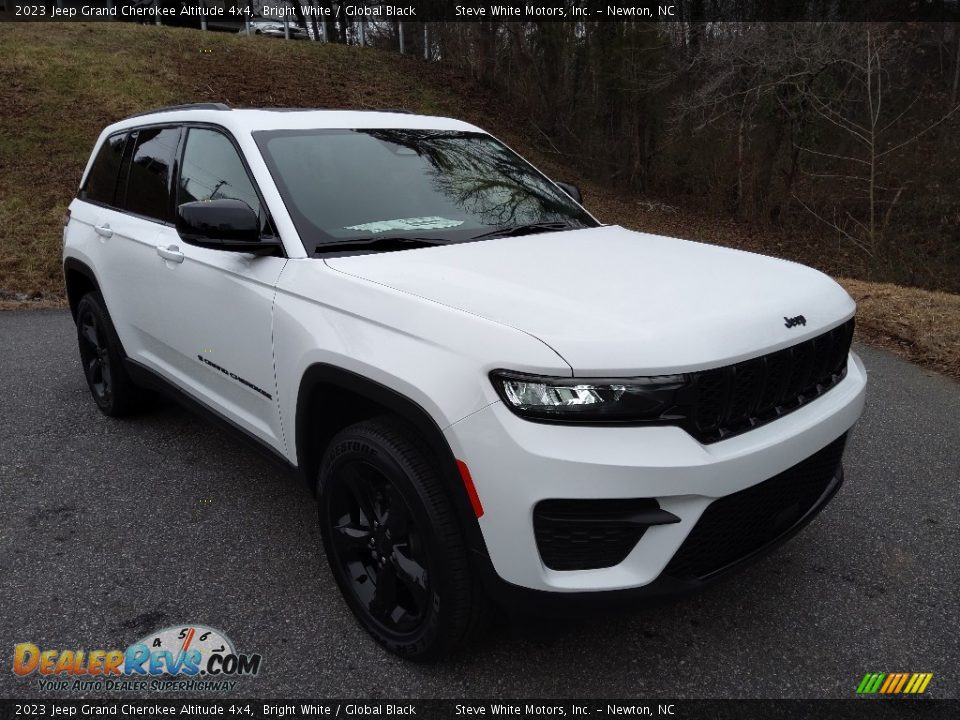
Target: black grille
{"type": "Point", "coordinates": [588, 534]}
{"type": "Point", "coordinates": [732, 399]}
{"type": "Point", "coordinates": [735, 526]}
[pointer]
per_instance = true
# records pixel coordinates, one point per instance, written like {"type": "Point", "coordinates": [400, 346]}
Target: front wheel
{"type": "Point", "coordinates": [393, 542]}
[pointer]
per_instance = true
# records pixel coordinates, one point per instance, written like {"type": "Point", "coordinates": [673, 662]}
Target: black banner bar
{"type": "Point", "coordinates": [853, 709]}
{"type": "Point", "coordinates": [180, 11]}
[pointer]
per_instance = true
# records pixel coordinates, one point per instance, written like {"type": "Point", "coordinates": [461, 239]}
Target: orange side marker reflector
{"type": "Point", "coordinates": [471, 490]}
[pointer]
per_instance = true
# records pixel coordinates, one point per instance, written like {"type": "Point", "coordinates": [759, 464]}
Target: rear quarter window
{"type": "Point", "coordinates": [101, 184]}
{"type": "Point", "coordinates": [151, 171]}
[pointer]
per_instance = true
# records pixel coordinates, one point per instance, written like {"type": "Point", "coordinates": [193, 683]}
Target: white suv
{"type": "Point", "coordinates": [492, 394]}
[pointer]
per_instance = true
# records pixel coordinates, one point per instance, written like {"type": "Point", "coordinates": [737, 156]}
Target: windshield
{"type": "Point", "coordinates": [440, 186]}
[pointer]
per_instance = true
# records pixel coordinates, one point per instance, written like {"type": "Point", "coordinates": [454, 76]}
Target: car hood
{"type": "Point", "coordinates": [617, 302]}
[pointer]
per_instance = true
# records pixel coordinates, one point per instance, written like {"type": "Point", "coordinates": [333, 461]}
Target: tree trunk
{"type": "Point", "coordinates": [956, 72]}
{"type": "Point", "coordinates": [298, 12]}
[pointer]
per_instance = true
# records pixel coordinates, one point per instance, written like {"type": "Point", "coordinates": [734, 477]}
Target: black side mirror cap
{"type": "Point", "coordinates": [223, 224]}
{"type": "Point", "coordinates": [571, 190]}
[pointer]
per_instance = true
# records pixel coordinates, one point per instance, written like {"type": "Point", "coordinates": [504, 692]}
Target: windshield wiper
{"type": "Point", "coordinates": [525, 229]}
{"type": "Point", "coordinates": [377, 243]}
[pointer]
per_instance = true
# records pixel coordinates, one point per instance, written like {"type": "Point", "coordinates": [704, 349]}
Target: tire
{"type": "Point", "coordinates": [393, 542]}
{"type": "Point", "coordinates": [101, 356]}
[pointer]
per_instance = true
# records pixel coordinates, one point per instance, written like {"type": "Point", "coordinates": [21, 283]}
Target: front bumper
{"type": "Point", "coordinates": [515, 464]}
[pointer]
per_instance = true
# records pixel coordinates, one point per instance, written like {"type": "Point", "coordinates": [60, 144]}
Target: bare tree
{"type": "Point", "coordinates": [872, 115]}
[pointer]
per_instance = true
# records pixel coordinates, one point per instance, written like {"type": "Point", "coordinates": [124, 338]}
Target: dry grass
{"type": "Point", "coordinates": [61, 84]}
{"type": "Point", "coordinates": [921, 325]}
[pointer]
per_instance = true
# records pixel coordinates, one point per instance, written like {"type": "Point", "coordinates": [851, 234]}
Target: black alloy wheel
{"type": "Point", "coordinates": [393, 541]}
{"type": "Point", "coordinates": [377, 544]}
{"type": "Point", "coordinates": [95, 357]}
{"type": "Point", "coordinates": [102, 358]}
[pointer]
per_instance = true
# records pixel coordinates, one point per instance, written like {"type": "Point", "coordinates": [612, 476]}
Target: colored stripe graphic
{"type": "Point", "coordinates": [918, 683]}
{"type": "Point", "coordinates": [870, 683]}
{"type": "Point", "coordinates": [891, 681]}
{"type": "Point", "coordinates": [894, 683]}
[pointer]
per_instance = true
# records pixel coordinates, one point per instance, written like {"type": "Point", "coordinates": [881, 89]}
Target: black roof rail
{"type": "Point", "coordinates": [399, 111]}
{"type": "Point", "coordinates": [186, 106]}
{"type": "Point", "coordinates": [309, 109]}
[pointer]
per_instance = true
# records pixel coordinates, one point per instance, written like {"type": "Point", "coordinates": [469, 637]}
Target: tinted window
{"type": "Point", "coordinates": [102, 180]}
{"type": "Point", "coordinates": [357, 184]}
{"type": "Point", "coordinates": [212, 170]}
{"type": "Point", "coordinates": [148, 180]}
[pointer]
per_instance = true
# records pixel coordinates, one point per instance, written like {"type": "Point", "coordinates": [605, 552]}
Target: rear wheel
{"type": "Point", "coordinates": [393, 542]}
{"type": "Point", "coordinates": [102, 359]}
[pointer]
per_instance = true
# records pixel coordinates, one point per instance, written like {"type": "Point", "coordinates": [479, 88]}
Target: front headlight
{"type": "Point", "coordinates": [640, 400]}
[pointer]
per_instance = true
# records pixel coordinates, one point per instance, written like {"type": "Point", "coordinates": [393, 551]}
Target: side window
{"type": "Point", "coordinates": [149, 177]}
{"type": "Point", "coordinates": [102, 180]}
{"type": "Point", "coordinates": [211, 170]}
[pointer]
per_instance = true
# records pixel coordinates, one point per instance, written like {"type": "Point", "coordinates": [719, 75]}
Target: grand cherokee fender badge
{"type": "Point", "coordinates": [234, 376]}
{"type": "Point", "coordinates": [798, 320]}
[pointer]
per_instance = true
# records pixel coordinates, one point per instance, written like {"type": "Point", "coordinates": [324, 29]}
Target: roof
{"type": "Point", "coordinates": [241, 120]}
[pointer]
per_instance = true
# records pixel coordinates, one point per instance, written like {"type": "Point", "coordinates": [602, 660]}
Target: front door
{"type": "Point", "coordinates": [214, 335]}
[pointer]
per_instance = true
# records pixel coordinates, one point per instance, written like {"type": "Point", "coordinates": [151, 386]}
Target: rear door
{"type": "Point", "coordinates": [143, 210]}
{"type": "Point", "coordinates": [107, 239]}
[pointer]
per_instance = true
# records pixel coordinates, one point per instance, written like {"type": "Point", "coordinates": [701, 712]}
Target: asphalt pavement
{"type": "Point", "coordinates": [111, 529]}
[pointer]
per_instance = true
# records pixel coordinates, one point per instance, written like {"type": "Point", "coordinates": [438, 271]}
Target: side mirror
{"type": "Point", "coordinates": [223, 225]}
{"type": "Point", "coordinates": [571, 190]}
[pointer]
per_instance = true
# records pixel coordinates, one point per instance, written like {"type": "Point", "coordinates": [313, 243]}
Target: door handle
{"type": "Point", "coordinates": [103, 230]}
{"type": "Point", "coordinates": [171, 253]}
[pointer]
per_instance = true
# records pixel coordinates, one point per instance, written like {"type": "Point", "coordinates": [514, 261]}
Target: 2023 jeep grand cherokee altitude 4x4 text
{"type": "Point", "coordinates": [492, 394]}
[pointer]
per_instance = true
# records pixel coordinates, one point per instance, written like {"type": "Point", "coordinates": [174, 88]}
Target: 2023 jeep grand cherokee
{"type": "Point", "coordinates": [491, 393]}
